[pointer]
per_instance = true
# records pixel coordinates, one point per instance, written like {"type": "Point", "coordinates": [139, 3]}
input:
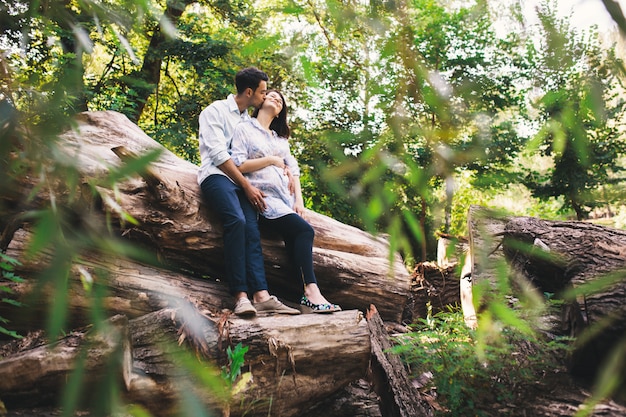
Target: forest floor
{"type": "Point", "coordinates": [556, 394]}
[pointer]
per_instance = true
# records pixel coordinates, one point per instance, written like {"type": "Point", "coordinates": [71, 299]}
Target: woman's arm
{"type": "Point", "coordinates": [298, 206]}
{"type": "Point", "coordinates": [242, 155]}
{"type": "Point", "coordinates": [292, 163]}
{"type": "Point", "coordinates": [250, 165]}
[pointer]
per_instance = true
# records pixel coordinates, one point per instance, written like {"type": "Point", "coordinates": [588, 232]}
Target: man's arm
{"type": "Point", "coordinates": [254, 194]}
{"type": "Point", "coordinates": [213, 142]}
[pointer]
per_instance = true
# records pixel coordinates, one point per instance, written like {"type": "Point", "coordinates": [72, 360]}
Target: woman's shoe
{"type": "Point", "coordinates": [309, 307]}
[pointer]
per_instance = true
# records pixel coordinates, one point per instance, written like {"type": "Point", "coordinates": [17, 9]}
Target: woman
{"type": "Point", "coordinates": [261, 152]}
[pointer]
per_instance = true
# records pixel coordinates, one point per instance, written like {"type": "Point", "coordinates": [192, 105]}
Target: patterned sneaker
{"type": "Point", "coordinates": [273, 305]}
{"type": "Point", "coordinates": [243, 308]}
{"type": "Point", "coordinates": [308, 307]}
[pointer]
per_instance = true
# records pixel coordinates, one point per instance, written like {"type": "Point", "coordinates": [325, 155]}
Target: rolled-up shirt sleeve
{"type": "Point", "coordinates": [212, 137]}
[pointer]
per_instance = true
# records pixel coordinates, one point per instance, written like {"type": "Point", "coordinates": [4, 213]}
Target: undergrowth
{"type": "Point", "coordinates": [7, 275]}
{"type": "Point", "coordinates": [471, 378]}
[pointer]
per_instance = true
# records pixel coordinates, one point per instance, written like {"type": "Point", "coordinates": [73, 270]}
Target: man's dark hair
{"type": "Point", "coordinates": [249, 77]}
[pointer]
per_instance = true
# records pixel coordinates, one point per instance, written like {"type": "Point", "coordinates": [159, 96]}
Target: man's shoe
{"type": "Point", "coordinates": [273, 305]}
{"type": "Point", "coordinates": [244, 308]}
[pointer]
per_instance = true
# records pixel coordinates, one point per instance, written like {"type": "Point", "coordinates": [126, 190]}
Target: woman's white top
{"type": "Point", "coordinates": [251, 141]}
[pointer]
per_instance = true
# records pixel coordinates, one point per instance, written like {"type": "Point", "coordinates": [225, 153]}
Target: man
{"type": "Point", "coordinates": [234, 198]}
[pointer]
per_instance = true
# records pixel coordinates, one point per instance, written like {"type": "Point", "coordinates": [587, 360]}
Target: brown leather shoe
{"type": "Point", "coordinates": [274, 306]}
{"type": "Point", "coordinates": [243, 308]}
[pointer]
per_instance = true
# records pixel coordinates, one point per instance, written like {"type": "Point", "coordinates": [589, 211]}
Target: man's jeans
{"type": "Point", "coordinates": [242, 239]}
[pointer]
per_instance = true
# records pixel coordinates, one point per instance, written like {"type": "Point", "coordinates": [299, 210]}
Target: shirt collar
{"type": "Point", "coordinates": [233, 107]}
{"type": "Point", "coordinates": [256, 124]}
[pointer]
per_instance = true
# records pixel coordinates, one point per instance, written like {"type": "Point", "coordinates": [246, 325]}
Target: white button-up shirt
{"type": "Point", "coordinates": [216, 126]}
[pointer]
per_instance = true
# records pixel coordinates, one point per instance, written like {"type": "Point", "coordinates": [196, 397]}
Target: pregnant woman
{"type": "Point", "coordinates": [260, 149]}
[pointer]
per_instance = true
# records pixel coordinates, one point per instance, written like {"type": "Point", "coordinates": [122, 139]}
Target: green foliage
{"type": "Point", "coordinates": [581, 114]}
{"type": "Point", "coordinates": [465, 380]}
{"type": "Point", "coordinates": [385, 128]}
{"type": "Point", "coordinates": [403, 114]}
{"type": "Point", "coordinates": [236, 360]}
{"type": "Point", "coordinates": [7, 274]}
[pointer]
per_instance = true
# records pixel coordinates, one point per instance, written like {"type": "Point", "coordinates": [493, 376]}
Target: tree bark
{"type": "Point", "coordinates": [434, 286]}
{"type": "Point", "coordinates": [557, 256]}
{"type": "Point", "coordinates": [127, 287]}
{"type": "Point", "coordinates": [554, 257]}
{"type": "Point", "coordinates": [295, 361]}
{"type": "Point", "coordinates": [37, 376]}
{"type": "Point", "coordinates": [389, 377]}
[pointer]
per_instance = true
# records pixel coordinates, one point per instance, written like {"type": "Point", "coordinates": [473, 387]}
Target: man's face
{"type": "Point", "coordinates": [259, 95]}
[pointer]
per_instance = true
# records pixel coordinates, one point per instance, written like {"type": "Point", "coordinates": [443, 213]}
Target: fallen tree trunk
{"type": "Point", "coordinates": [294, 361]}
{"type": "Point", "coordinates": [352, 266]}
{"type": "Point", "coordinates": [37, 376]}
{"type": "Point", "coordinates": [559, 256]}
{"type": "Point", "coordinates": [555, 257]}
{"type": "Point", "coordinates": [389, 377]}
{"type": "Point", "coordinates": [126, 287]}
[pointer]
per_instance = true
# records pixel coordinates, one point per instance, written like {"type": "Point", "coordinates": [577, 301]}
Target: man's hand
{"type": "Point", "coordinates": [256, 197]}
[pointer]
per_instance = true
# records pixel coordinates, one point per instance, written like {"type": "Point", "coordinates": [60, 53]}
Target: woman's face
{"type": "Point", "coordinates": [273, 101]}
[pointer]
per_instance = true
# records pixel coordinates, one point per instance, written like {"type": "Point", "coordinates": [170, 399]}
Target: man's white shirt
{"type": "Point", "coordinates": [217, 123]}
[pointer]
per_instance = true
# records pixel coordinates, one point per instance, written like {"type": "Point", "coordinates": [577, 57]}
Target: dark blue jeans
{"type": "Point", "coordinates": [298, 236]}
{"type": "Point", "coordinates": [242, 240]}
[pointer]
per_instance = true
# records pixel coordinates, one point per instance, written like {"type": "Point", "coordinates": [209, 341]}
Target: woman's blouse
{"type": "Point", "coordinates": [251, 141]}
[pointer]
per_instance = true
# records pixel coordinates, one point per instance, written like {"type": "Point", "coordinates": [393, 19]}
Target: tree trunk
{"type": "Point", "coordinates": [150, 73]}
{"type": "Point", "coordinates": [295, 361]}
{"type": "Point", "coordinates": [130, 288]}
{"type": "Point", "coordinates": [353, 267]}
{"type": "Point", "coordinates": [37, 376]}
{"type": "Point", "coordinates": [555, 257]}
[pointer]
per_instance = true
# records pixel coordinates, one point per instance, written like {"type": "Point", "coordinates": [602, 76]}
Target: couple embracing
{"type": "Point", "coordinates": [248, 175]}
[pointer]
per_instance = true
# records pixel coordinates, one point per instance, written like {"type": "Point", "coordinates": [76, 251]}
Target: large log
{"type": "Point", "coordinates": [295, 361]}
{"type": "Point", "coordinates": [37, 376]}
{"type": "Point", "coordinates": [353, 267]}
{"type": "Point", "coordinates": [556, 256]}
{"type": "Point", "coordinates": [552, 257]}
{"type": "Point", "coordinates": [127, 287]}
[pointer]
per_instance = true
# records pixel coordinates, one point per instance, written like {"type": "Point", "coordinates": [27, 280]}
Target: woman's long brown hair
{"type": "Point", "coordinates": [279, 123]}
